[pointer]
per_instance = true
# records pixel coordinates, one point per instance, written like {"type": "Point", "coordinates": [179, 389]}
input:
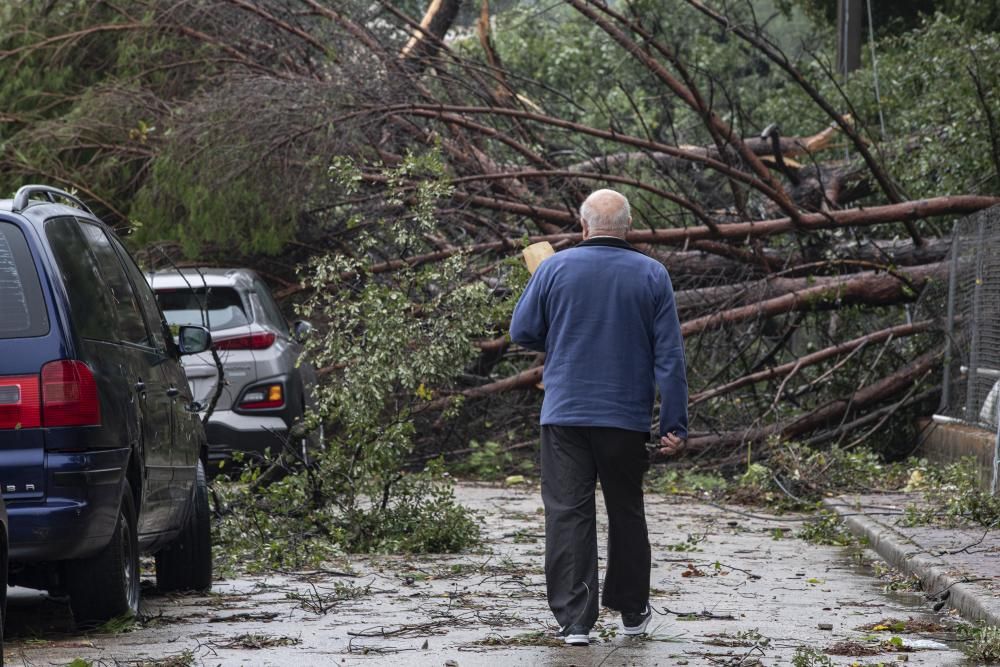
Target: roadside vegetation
{"type": "Point", "coordinates": [383, 344]}
{"type": "Point", "coordinates": [981, 643]}
{"type": "Point", "coordinates": [798, 479]}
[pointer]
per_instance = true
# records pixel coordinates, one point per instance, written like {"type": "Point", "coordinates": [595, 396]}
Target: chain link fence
{"type": "Point", "coordinates": [970, 391]}
{"type": "Point", "coordinates": [972, 322]}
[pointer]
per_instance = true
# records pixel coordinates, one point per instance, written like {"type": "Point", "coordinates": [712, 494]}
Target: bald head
{"type": "Point", "coordinates": [605, 213]}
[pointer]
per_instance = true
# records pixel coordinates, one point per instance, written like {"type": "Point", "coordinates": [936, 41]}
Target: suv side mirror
{"type": "Point", "coordinates": [301, 330]}
{"type": "Point", "coordinates": [193, 339]}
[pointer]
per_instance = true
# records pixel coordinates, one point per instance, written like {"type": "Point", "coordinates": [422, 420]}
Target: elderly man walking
{"type": "Point", "coordinates": [604, 315]}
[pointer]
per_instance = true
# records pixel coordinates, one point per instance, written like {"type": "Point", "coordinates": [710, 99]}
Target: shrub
{"type": "Point", "coordinates": [388, 340]}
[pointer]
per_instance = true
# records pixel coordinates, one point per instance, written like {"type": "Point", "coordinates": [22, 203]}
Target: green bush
{"type": "Point", "coordinates": [389, 341]}
{"type": "Point", "coordinates": [422, 517]}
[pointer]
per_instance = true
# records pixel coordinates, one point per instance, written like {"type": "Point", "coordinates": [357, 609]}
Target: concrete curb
{"type": "Point", "coordinates": [905, 555]}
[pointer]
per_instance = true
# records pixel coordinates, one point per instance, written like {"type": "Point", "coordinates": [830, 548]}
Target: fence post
{"type": "Point", "coordinates": [972, 392]}
{"type": "Point", "coordinates": [996, 454]}
{"type": "Point", "coordinates": [949, 325]}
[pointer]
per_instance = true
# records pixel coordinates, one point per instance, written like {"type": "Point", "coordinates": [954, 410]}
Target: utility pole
{"type": "Point", "coordinates": [849, 14]}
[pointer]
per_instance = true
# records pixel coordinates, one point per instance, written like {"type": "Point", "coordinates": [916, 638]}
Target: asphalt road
{"type": "Point", "coordinates": [731, 590]}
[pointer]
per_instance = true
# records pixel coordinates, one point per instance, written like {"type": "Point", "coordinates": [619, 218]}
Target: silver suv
{"type": "Point", "coordinates": [266, 390]}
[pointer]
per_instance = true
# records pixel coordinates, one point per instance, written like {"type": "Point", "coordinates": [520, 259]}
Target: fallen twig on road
{"type": "Point", "coordinates": [705, 614]}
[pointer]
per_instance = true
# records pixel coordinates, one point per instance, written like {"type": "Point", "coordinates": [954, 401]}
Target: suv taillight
{"type": "Point", "coordinates": [69, 395]}
{"type": "Point", "coordinates": [254, 341]}
{"type": "Point", "coordinates": [20, 406]}
{"type": "Point", "coordinates": [264, 397]}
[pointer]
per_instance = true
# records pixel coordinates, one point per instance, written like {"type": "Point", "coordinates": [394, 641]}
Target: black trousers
{"type": "Point", "coordinates": [573, 459]}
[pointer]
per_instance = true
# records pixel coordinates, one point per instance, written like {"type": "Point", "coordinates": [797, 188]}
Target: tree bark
{"type": "Point", "coordinates": [698, 264]}
{"type": "Point", "coordinates": [819, 356]}
{"type": "Point", "coordinates": [871, 394]}
{"type": "Point", "coordinates": [426, 40]}
{"type": "Point", "coordinates": [915, 210]}
{"type": "Point", "coordinates": [873, 289]}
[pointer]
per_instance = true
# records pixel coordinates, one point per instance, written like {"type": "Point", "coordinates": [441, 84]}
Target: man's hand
{"type": "Point", "coordinates": [670, 444]}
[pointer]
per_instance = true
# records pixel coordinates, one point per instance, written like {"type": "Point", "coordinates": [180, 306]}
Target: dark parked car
{"type": "Point", "coordinates": [100, 452]}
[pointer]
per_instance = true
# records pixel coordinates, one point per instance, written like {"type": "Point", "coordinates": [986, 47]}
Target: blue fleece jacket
{"type": "Point", "coordinates": [604, 315]}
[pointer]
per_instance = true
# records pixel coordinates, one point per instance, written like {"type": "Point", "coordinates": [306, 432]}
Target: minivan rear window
{"type": "Point", "coordinates": [90, 302]}
{"type": "Point", "coordinates": [184, 306]}
{"type": "Point", "coordinates": [22, 307]}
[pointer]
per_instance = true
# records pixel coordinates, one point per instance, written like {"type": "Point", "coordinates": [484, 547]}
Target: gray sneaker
{"type": "Point", "coordinates": [635, 624]}
{"type": "Point", "coordinates": [576, 635]}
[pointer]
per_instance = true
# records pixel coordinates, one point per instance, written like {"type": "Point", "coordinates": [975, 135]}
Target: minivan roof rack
{"type": "Point", "coordinates": [22, 198]}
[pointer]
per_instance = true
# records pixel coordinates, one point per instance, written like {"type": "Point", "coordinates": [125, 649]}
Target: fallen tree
{"type": "Point", "coordinates": [828, 413]}
{"type": "Point", "coordinates": [399, 160]}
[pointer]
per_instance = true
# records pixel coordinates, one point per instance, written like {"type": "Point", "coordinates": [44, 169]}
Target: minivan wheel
{"type": "Point", "coordinates": [186, 564]}
{"type": "Point", "coordinates": [106, 585]}
{"type": "Point", "coordinates": [3, 607]}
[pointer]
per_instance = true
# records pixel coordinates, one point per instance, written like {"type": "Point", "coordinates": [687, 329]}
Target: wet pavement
{"type": "Point", "coordinates": [730, 589]}
{"type": "Point", "coordinates": [962, 561]}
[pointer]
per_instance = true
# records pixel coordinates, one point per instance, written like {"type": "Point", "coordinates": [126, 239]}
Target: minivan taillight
{"type": "Point", "coordinates": [69, 394]}
{"type": "Point", "coordinates": [20, 406]}
{"type": "Point", "coordinates": [254, 341]}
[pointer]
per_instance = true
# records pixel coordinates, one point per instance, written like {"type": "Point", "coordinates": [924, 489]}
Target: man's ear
{"type": "Point", "coordinates": [586, 230]}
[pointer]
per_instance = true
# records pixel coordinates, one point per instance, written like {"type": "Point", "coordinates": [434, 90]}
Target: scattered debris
{"type": "Point", "coordinates": [692, 571]}
{"type": "Point", "coordinates": [854, 649]}
{"type": "Point", "coordinates": [185, 659]}
{"type": "Point", "coordinates": [242, 617]}
{"type": "Point", "coordinates": [322, 602]}
{"type": "Point", "coordinates": [492, 603]}
{"type": "Point", "coordinates": [744, 639]}
{"type": "Point", "coordinates": [909, 625]}
{"type": "Point", "coordinates": [256, 641]}
{"type": "Point", "coordinates": [537, 638]}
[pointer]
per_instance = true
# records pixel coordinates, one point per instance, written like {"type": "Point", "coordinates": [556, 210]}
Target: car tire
{"type": "Point", "coordinates": [186, 564]}
{"type": "Point", "coordinates": [4, 580]}
{"type": "Point", "coordinates": [106, 585]}
{"type": "Point", "coordinates": [3, 611]}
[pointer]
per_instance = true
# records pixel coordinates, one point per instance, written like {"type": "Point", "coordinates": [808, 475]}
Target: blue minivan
{"type": "Point", "coordinates": [101, 450]}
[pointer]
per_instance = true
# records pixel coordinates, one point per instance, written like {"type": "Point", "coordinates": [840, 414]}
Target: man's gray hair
{"type": "Point", "coordinates": [606, 211]}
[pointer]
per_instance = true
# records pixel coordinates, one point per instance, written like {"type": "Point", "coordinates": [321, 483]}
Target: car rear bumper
{"type": "Point", "coordinates": [78, 514]}
{"type": "Point", "coordinates": [229, 432]}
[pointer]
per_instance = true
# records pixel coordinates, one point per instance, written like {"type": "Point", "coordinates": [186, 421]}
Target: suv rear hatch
{"type": "Point", "coordinates": [226, 314]}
